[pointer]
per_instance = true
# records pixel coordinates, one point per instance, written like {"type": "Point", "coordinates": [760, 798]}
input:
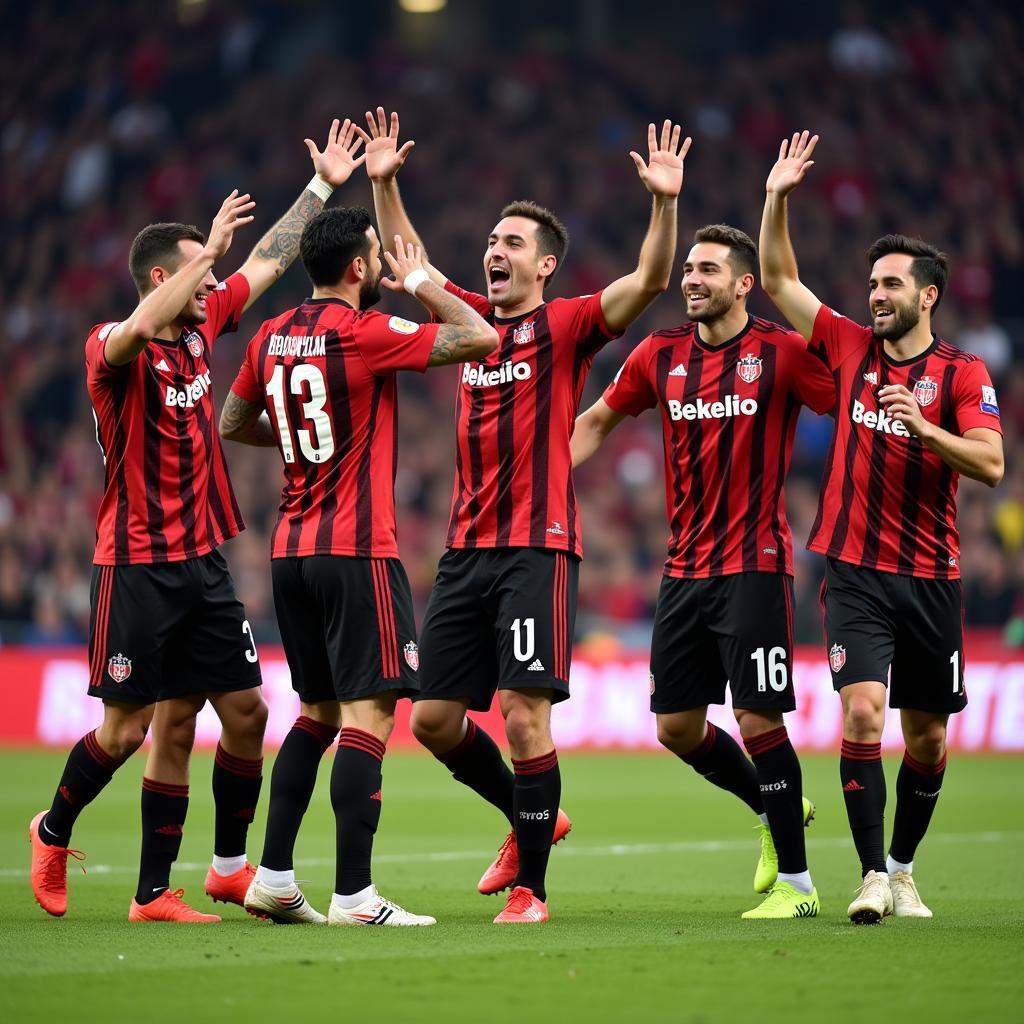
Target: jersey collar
{"type": "Point", "coordinates": [913, 359]}
{"type": "Point", "coordinates": [725, 344]}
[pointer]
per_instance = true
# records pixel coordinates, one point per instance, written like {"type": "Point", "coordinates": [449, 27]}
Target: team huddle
{"type": "Point", "coordinates": [318, 383]}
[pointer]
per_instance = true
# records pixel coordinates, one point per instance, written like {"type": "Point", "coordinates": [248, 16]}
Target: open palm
{"type": "Point", "coordinates": [338, 159]}
{"type": "Point", "coordinates": [662, 174]}
{"type": "Point", "coordinates": [793, 164]}
{"type": "Point", "coordinates": [384, 157]}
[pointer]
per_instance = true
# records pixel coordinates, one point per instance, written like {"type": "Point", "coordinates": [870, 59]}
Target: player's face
{"type": "Point", "coordinates": [895, 297]}
{"type": "Point", "coordinates": [194, 312]}
{"type": "Point", "coordinates": [709, 282]}
{"type": "Point", "coordinates": [512, 265]}
{"type": "Point", "coordinates": [369, 289]}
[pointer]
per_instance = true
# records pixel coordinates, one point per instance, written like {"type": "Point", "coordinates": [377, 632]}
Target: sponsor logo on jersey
{"type": "Point", "coordinates": [749, 368]}
{"type": "Point", "coordinates": [556, 528]}
{"type": "Point", "coordinates": [731, 405]}
{"type": "Point", "coordinates": [925, 391]}
{"type": "Point", "coordinates": [479, 376]}
{"type": "Point", "coordinates": [880, 420]}
{"type": "Point", "coordinates": [119, 668]}
{"type": "Point", "coordinates": [872, 377]}
{"type": "Point", "coordinates": [677, 371]}
{"type": "Point", "coordinates": [837, 657]}
{"type": "Point", "coordinates": [523, 334]}
{"type": "Point", "coordinates": [305, 345]}
{"type": "Point", "coordinates": [186, 398]}
{"type": "Point", "coordinates": [412, 655]}
{"type": "Point", "coordinates": [769, 551]}
{"type": "Point", "coordinates": [402, 326]}
{"type": "Point", "coordinates": [988, 400]}
{"type": "Point", "coordinates": [195, 344]}
{"type": "Point", "coordinates": [162, 365]}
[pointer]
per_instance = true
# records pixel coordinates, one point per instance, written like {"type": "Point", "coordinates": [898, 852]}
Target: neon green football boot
{"type": "Point", "coordinates": [767, 869]}
{"type": "Point", "coordinates": [785, 901]}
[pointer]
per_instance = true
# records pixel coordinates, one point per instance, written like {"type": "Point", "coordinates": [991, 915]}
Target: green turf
{"type": "Point", "coordinates": [645, 897]}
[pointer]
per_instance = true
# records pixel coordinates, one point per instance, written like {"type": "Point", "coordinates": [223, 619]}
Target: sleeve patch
{"type": "Point", "coordinates": [107, 328]}
{"type": "Point", "coordinates": [988, 400]}
{"type": "Point", "coordinates": [402, 326]}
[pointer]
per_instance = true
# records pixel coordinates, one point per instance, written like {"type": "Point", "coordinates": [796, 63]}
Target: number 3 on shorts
{"type": "Point", "coordinates": [250, 655]}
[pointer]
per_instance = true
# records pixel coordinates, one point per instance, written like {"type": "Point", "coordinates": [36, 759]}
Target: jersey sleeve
{"type": "Point", "coordinates": [476, 301]}
{"type": "Point", "coordinates": [812, 381]}
{"type": "Point", "coordinates": [96, 366]}
{"type": "Point", "coordinates": [225, 305]}
{"type": "Point", "coordinates": [632, 390]}
{"type": "Point", "coordinates": [583, 321]}
{"type": "Point", "coordinates": [833, 334]}
{"type": "Point", "coordinates": [390, 343]}
{"type": "Point", "coordinates": [974, 398]}
{"type": "Point", "coordinates": [247, 384]}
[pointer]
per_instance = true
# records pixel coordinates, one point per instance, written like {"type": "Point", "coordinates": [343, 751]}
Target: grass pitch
{"type": "Point", "coordinates": [645, 898]}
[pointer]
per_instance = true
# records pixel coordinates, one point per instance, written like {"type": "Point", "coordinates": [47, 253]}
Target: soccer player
{"type": "Point", "coordinates": [729, 387]}
{"type": "Point", "coordinates": [912, 413]}
{"type": "Point", "coordinates": [501, 613]}
{"type": "Point", "coordinates": [165, 623]}
{"type": "Point", "coordinates": [325, 373]}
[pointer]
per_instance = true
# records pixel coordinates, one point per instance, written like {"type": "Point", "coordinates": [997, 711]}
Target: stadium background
{"type": "Point", "coordinates": [118, 114]}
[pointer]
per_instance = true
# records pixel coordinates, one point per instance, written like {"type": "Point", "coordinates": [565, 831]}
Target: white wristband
{"type": "Point", "coordinates": [320, 188]}
{"type": "Point", "coordinates": [414, 279]}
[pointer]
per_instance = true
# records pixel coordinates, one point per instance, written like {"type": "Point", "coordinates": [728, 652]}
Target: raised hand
{"type": "Point", "coordinates": [338, 159]}
{"type": "Point", "coordinates": [384, 158]}
{"type": "Point", "coordinates": [662, 175]}
{"type": "Point", "coordinates": [231, 216]}
{"type": "Point", "coordinates": [793, 164]}
{"type": "Point", "coordinates": [408, 258]}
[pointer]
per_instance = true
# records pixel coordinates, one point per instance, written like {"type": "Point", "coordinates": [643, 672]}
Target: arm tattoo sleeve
{"type": "Point", "coordinates": [280, 244]}
{"type": "Point", "coordinates": [244, 422]}
{"type": "Point", "coordinates": [459, 336]}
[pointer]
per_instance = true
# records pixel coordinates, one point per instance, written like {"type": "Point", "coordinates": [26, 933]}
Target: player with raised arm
{"type": "Point", "coordinates": [502, 610]}
{"type": "Point", "coordinates": [729, 387]}
{"type": "Point", "coordinates": [166, 625]}
{"type": "Point", "coordinates": [325, 373]}
{"type": "Point", "coordinates": [912, 413]}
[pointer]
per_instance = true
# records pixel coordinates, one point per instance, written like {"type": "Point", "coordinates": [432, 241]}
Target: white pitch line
{"type": "Point", "coordinates": [614, 850]}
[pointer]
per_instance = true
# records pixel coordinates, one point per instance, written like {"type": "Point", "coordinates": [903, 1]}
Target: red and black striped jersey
{"type": "Point", "coordinates": [514, 413]}
{"type": "Point", "coordinates": [887, 501]}
{"type": "Point", "coordinates": [325, 373]}
{"type": "Point", "coordinates": [728, 415]}
{"type": "Point", "coordinates": [167, 496]}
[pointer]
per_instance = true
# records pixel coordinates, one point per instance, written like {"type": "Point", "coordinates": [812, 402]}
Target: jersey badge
{"type": "Point", "coordinates": [988, 400]}
{"type": "Point", "coordinates": [195, 344]}
{"type": "Point", "coordinates": [837, 657]}
{"type": "Point", "coordinates": [925, 391]}
{"type": "Point", "coordinates": [402, 326]}
{"type": "Point", "coordinates": [872, 377]}
{"type": "Point", "coordinates": [523, 334]}
{"type": "Point", "coordinates": [412, 655]}
{"type": "Point", "coordinates": [119, 667]}
{"type": "Point", "coordinates": [652, 683]}
{"type": "Point", "coordinates": [677, 371]}
{"type": "Point", "coordinates": [749, 368]}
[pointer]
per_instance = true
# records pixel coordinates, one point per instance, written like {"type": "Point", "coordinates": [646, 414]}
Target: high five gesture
{"type": "Point", "coordinates": [793, 164]}
{"type": "Point", "coordinates": [662, 174]}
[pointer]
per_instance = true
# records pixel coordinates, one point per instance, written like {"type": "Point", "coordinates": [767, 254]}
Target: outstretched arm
{"type": "Point", "coordinates": [161, 306]}
{"type": "Point", "coordinates": [625, 299]}
{"type": "Point", "coordinates": [592, 427]}
{"type": "Point", "coordinates": [464, 334]}
{"type": "Point", "coordinates": [779, 275]}
{"type": "Point", "coordinates": [277, 249]}
{"type": "Point", "coordinates": [246, 422]}
{"type": "Point", "coordinates": [384, 159]}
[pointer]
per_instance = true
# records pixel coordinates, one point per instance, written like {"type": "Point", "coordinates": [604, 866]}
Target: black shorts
{"type": "Point", "coordinates": [499, 619]}
{"type": "Point", "coordinates": [168, 630]}
{"type": "Point", "coordinates": [736, 629]}
{"type": "Point", "coordinates": [874, 620]}
{"type": "Point", "coordinates": [347, 626]}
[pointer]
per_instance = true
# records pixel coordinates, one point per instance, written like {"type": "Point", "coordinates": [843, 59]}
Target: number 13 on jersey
{"type": "Point", "coordinates": [302, 376]}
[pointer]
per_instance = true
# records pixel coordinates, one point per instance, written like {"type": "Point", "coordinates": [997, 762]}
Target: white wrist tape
{"type": "Point", "coordinates": [414, 279]}
{"type": "Point", "coordinates": [320, 188]}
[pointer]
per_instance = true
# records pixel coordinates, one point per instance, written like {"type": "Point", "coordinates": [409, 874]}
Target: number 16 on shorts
{"type": "Point", "coordinates": [771, 669]}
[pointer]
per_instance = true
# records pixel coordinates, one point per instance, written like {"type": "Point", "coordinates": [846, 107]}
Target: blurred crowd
{"type": "Point", "coordinates": [116, 115]}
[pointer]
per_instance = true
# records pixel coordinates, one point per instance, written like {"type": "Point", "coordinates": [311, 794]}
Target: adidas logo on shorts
{"type": "Point", "coordinates": [536, 666]}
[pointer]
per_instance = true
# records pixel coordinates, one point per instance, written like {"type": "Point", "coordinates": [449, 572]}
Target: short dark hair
{"type": "Point", "coordinates": [742, 251]}
{"type": "Point", "coordinates": [332, 240]}
{"type": "Point", "coordinates": [552, 234]}
{"type": "Point", "coordinates": [158, 244]}
{"type": "Point", "coordinates": [929, 266]}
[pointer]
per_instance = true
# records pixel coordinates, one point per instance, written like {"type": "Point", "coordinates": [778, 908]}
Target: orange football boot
{"type": "Point", "coordinates": [502, 873]}
{"type": "Point", "coordinates": [523, 908]}
{"type": "Point", "coordinates": [169, 906]}
{"type": "Point", "coordinates": [49, 873]}
{"type": "Point", "coordinates": [232, 888]}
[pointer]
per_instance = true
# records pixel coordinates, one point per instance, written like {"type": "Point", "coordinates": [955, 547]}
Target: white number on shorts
{"type": "Point", "coordinates": [519, 628]}
{"type": "Point", "coordinates": [773, 674]}
{"type": "Point", "coordinates": [250, 655]}
{"type": "Point", "coordinates": [313, 410]}
{"type": "Point", "coordinates": [955, 662]}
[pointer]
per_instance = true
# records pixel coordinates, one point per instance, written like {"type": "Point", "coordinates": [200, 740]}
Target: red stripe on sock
{"type": "Point", "coordinates": [535, 765]}
{"type": "Point", "coordinates": [854, 751]}
{"type": "Point", "coordinates": [703, 747]}
{"type": "Point", "coordinates": [766, 741]}
{"type": "Point", "coordinates": [451, 755]}
{"type": "Point", "coordinates": [924, 769]}
{"type": "Point", "coordinates": [98, 754]}
{"type": "Point", "coordinates": [164, 788]}
{"type": "Point", "coordinates": [357, 739]}
{"type": "Point", "coordinates": [319, 730]}
{"type": "Point", "coordinates": [246, 767]}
